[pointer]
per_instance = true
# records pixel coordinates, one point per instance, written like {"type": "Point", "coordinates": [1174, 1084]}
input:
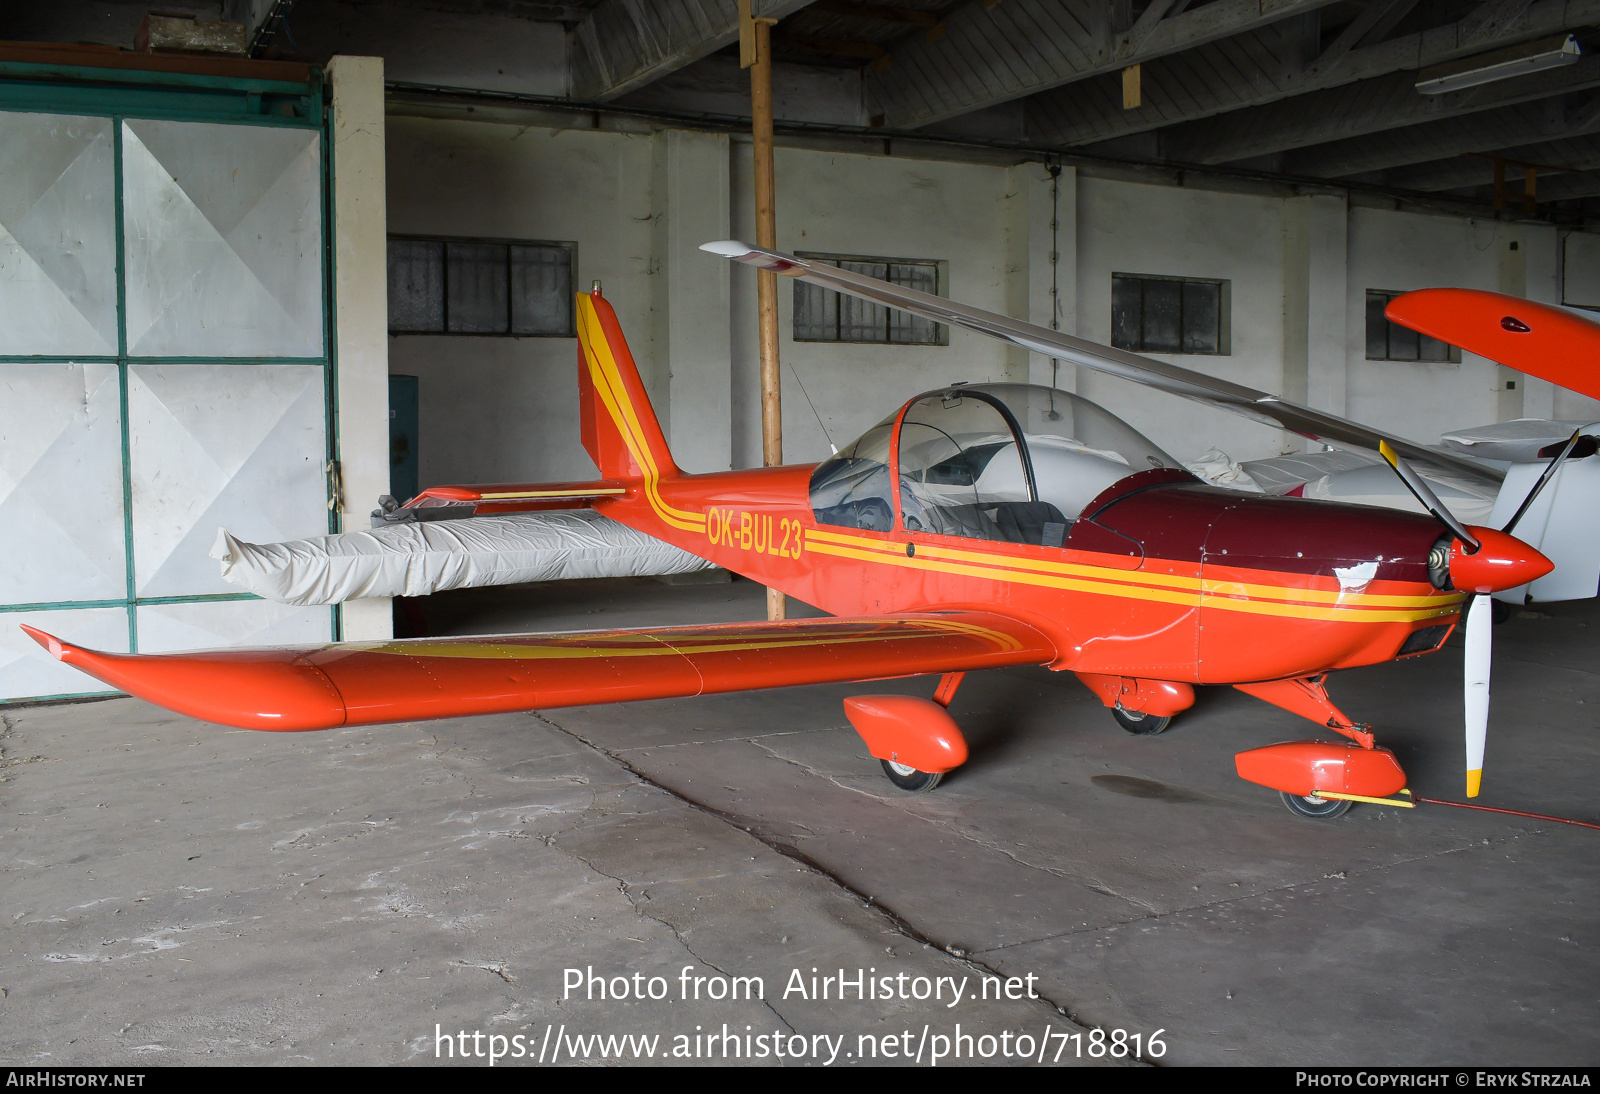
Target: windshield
{"type": "Point", "coordinates": [851, 489]}
{"type": "Point", "coordinates": [964, 473]}
{"type": "Point", "coordinates": [1075, 447]}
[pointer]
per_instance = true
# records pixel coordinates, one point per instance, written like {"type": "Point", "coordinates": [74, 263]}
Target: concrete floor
{"type": "Point", "coordinates": [175, 892]}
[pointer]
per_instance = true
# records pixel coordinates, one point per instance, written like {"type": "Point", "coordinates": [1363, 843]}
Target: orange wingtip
{"type": "Point", "coordinates": [1542, 340]}
{"type": "Point", "coordinates": [50, 642]}
{"type": "Point", "coordinates": [251, 689]}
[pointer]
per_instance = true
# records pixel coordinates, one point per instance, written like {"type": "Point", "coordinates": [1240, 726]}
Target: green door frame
{"type": "Point", "coordinates": [120, 94]}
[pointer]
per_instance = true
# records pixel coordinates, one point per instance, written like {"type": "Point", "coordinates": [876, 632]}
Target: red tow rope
{"type": "Point", "coordinates": [1509, 812]}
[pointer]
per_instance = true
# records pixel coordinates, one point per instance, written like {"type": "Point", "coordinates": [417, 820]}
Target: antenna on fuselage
{"type": "Point", "coordinates": [813, 407]}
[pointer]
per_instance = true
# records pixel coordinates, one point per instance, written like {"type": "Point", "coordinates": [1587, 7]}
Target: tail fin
{"type": "Point", "coordinates": [620, 430]}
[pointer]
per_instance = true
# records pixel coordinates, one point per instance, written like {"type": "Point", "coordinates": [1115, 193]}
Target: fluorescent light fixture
{"type": "Point", "coordinates": [1502, 64]}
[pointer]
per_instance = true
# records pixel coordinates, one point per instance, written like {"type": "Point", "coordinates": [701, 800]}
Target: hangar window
{"type": "Point", "coordinates": [481, 286]}
{"type": "Point", "coordinates": [823, 315]}
{"type": "Point", "coordinates": [1388, 341]}
{"type": "Point", "coordinates": [1169, 314]}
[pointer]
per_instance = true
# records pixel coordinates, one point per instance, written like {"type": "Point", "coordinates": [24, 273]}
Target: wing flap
{"type": "Point", "coordinates": [365, 683]}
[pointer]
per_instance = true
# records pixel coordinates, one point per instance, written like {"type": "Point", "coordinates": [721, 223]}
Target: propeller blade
{"type": "Point", "coordinates": [1430, 501]}
{"type": "Point", "coordinates": [1480, 639]}
{"type": "Point", "coordinates": [1549, 473]}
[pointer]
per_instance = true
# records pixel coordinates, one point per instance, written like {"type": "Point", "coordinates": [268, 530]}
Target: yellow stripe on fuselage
{"type": "Point", "coordinates": [1209, 586]}
{"type": "Point", "coordinates": [608, 383]}
{"type": "Point", "coordinates": [1161, 588]}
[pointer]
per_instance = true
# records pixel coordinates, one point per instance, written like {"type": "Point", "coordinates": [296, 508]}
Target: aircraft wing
{"type": "Point", "coordinates": [355, 683]}
{"type": "Point", "coordinates": [1260, 406]}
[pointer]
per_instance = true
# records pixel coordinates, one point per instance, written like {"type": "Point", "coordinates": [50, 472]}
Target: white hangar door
{"type": "Point", "coordinates": [164, 368]}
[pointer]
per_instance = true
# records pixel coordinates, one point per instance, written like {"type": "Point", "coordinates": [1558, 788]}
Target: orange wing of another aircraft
{"type": "Point", "coordinates": [1544, 341]}
{"type": "Point", "coordinates": [321, 687]}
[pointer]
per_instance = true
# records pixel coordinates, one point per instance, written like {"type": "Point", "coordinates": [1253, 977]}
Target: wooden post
{"type": "Point", "coordinates": [767, 280]}
{"type": "Point", "coordinates": [1530, 190]}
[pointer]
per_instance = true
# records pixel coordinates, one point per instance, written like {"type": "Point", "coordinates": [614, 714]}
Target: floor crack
{"type": "Point", "coordinates": [1064, 875]}
{"type": "Point", "coordinates": [626, 890]}
{"type": "Point", "coordinates": [486, 966]}
{"type": "Point", "coordinates": [901, 925]}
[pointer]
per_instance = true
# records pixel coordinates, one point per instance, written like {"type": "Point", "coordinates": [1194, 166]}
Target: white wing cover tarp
{"type": "Point", "coordinates": [418, 559]}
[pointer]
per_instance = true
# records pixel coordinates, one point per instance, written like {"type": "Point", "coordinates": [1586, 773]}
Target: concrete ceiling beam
{"type": "Point", "coordinates": [1561, 187]}
{"type": "Point", "coordinates": [1372, 106]}
{"type": "Point", "coordinates": [1542, 120]}
{"type": "Point", "coordinates": [1465, 172]}
{"type": "Point", "coordinates": [1244, 71]}
{"type": "Point", "coordinates": [624, 44]}
{"type": "Point", "coordinates": [993, 54]}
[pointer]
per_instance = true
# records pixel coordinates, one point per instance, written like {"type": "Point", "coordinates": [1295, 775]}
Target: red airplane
{"type": "Point", "coordinates": [975, 527]}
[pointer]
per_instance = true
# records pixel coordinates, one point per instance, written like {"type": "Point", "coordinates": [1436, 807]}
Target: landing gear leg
{"type": "Point", "coordinates": [1333, 768]}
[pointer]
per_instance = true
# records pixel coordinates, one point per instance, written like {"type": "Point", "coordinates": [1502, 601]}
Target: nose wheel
{"type": "Point", "coordinates": [1145, 725]}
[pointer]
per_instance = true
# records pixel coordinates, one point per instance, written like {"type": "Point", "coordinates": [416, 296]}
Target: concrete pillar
{"type": "Point", "coordinates": [699, 355]}
{"type": "Point", "coordinates": [1541, 246]}
{"type": "Point", "coordinates": [361, 311]}
{"type": "Point", "coordinates": [1509, 383]}
{"type": "Point", "coordinates": [1043, 260]}
{"type": "Point", "coordinates": [1315, 304]}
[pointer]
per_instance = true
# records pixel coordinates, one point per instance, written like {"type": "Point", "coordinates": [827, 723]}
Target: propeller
{"type": "Point", "coordinates": [1481, 561]}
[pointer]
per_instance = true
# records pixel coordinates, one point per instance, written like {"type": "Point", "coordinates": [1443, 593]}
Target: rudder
{"type": "Point", "coordinates": [619, 426]}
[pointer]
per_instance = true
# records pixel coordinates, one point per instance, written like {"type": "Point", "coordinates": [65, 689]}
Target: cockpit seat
{"type": "Point", "coordinates": [871, 514]}
{"type": "Point", "coordinates": [1035, 522]}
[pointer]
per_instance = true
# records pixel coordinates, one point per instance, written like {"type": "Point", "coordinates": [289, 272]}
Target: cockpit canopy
{"type": "Point", "coordinates": [1009, 462]}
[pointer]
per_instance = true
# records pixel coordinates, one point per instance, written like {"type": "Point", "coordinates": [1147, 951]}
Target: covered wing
{"type": "Point", "coordinates": [321, 687]}
{"type": "Point", "coordinates": [1544, 341]}
{"type": "Point", "coordinates": [1176, 380]}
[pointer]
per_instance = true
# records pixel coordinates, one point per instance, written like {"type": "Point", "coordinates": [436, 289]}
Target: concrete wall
{"type": "Point", "coordinates": [835, 203]}
{"type": "Point", "coordinates": [505, 409]}
{"type": "Point", "coordinates": [1126, 228]}
{"type": "Point", "coordinates": [639, 204]}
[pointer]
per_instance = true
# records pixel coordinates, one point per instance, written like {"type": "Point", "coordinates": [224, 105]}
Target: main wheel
{"type": "Point", "coordinates": [909, 778]}
{"type": "Point", "coordinates": [1314, 807]}
{"type": "Point", "coordinates": [1136, 722]}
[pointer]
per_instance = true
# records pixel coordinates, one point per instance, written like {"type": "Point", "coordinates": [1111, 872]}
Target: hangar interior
{"type": "Point", "coordinates": [259, 284]}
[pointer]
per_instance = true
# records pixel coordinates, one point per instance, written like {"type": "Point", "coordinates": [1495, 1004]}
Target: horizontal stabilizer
{"type": "Point", "coordinates": [486, 499]}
